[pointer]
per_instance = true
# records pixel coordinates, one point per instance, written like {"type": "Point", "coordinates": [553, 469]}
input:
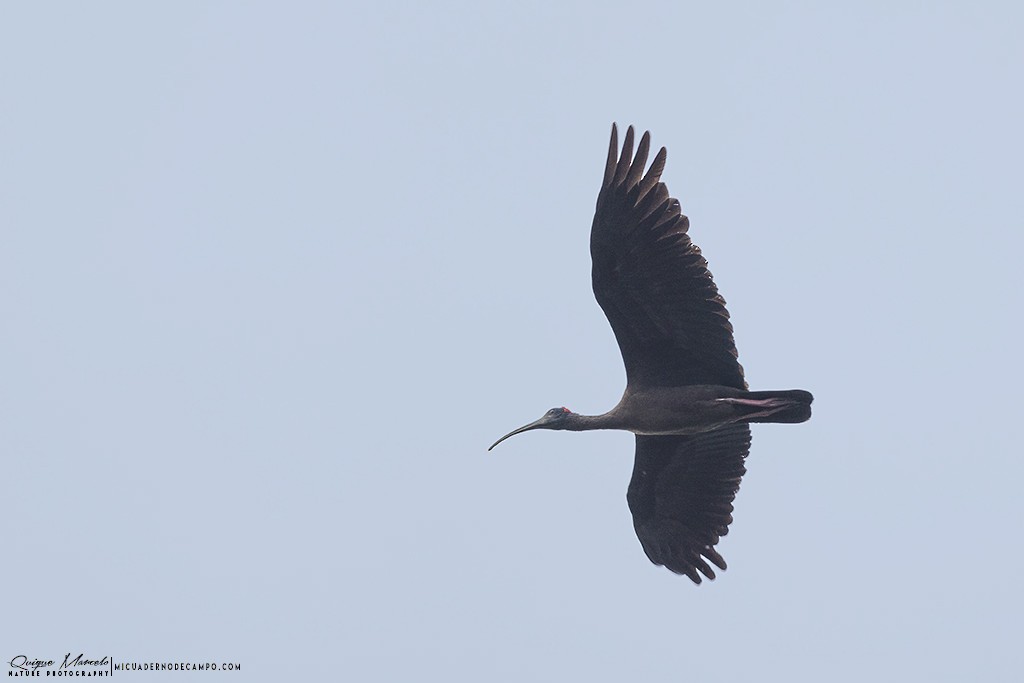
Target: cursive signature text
{"type": "Point", "coordinates": [23, 663]}
{"type": "Point", "coordinates": [80, 660]}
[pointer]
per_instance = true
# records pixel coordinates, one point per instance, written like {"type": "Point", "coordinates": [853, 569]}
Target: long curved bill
{"type": "Point", "coordinates": [525, 428]}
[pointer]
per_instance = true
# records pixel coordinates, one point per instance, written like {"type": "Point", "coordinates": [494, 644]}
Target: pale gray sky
{"type": "Point", "coordinates": [274, 276]}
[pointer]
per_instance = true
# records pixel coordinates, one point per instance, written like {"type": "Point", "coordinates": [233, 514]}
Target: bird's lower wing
{"type": "Point", "coordinates": [681, 496]}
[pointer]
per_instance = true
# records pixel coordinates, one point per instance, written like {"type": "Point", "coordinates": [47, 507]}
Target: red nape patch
{"type": "Point", "coordinates": [565, 410]}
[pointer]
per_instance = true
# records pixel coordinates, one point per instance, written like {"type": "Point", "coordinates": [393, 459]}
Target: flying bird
{"type": "Point", "coordinates": [686, 399]}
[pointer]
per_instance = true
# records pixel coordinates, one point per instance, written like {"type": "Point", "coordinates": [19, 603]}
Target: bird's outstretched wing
{"type": "Point", "coordinates": [681, 496]}
{"type": "Point", "coordinates": [653, 283]}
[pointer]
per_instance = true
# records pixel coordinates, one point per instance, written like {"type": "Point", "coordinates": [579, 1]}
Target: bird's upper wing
{"type": "Point", "coordinates": [681, 496]}
{"type": "Point", "coordinates": [653, 283]}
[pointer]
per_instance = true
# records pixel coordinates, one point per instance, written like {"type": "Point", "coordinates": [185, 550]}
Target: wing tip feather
{"type": "Point", "coordinates": [609, 166]}
{"type": "Point", "coordinates": [636, 167]}
{"type": "Point", "coordinates": [625, 158]}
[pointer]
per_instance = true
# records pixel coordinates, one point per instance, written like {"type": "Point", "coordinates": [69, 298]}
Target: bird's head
{"type": "Point", "coordinates": [556, 418]}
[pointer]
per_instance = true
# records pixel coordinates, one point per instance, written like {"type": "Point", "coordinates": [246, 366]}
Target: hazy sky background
{"type": "Point", "coordinates": [274, 276]}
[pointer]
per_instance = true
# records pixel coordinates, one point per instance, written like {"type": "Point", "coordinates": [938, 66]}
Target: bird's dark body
{"type": "Point", "coordinates": [668, 411]}
{"type": "Point", "coordinates": [686, 398]}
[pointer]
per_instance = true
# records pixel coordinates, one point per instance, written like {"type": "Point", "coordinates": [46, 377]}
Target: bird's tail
{"type": "Point", "coordinates": [773, 406]}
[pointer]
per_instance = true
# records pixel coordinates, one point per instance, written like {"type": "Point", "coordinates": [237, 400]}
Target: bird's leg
{"type": "Point", "coordinates": [764, 406]}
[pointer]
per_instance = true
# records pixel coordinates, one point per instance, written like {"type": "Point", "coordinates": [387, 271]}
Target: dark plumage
{"type": "Point", "coordinates": [685, 399]}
